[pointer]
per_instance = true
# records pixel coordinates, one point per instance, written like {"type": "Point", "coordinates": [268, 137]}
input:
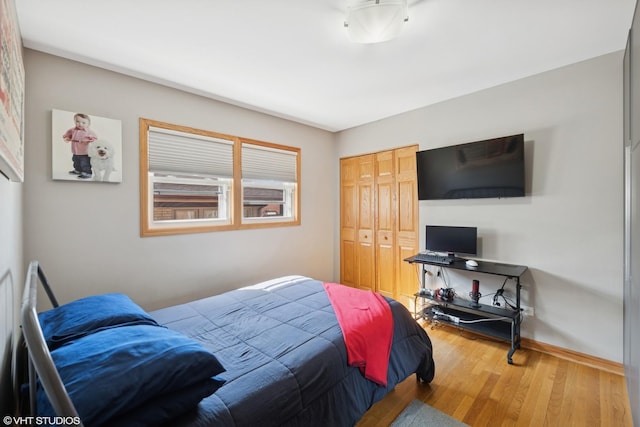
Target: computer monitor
{"type": "Point", "coordinates": [452, 240]}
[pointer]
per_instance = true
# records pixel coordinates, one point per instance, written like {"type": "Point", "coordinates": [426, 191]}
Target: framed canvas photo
{"type": "Point", "coordinates": [85, 148]}
{"type": "Point", "coordinates": [11, 94]}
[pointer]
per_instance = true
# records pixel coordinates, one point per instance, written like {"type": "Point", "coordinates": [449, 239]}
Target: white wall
{"type": "Point", "coordinates": [568, 230]}
{"type": "Point", "coordinates": [11, 279]}
{"type": "Point", "coordinates": [87, 235]}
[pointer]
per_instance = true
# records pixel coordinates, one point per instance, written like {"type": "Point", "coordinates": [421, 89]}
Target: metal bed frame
{"type": "Point", "coordinates": [39, 359]}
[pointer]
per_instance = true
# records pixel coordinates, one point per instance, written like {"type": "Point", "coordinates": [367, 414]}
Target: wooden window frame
{"type": "Point", "coordinates": [147, 228]}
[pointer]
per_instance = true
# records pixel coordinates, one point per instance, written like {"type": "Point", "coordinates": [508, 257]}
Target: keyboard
{"type": "Point", "coordinates": [433, 258]}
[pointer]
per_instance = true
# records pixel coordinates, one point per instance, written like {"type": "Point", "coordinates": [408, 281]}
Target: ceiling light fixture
{"type": "Point", "coordinates": [374, 21]}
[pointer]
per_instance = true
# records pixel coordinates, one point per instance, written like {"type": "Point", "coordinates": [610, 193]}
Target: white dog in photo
{"type": "Point", "coordinates": [102, 155]}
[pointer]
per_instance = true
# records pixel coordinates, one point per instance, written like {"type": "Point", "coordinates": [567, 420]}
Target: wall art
{"type": "Point", "coordinates": [85, 147]}
{"type": "Point", "coordinates": [11, 94]}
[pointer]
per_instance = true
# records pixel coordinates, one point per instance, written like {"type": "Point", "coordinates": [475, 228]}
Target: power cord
{"type": "Point", "coordinates": [488, 319]}
{"type": "Point", "coordinates": [500, 294]}
{"type": "Point", "coordinates": [437, 313]}
{"type": "Point", "coordinates": [442, 273]}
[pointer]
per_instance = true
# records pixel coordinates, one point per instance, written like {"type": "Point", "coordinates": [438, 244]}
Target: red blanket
{"type": "Point", "coordinates": [367, 325]}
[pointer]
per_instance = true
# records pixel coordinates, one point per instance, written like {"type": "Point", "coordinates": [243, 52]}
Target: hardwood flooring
{"type": "Point", "coordinates": [475, 384]}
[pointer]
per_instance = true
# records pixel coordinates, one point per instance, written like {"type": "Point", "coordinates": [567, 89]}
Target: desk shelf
{"type": "Point", "coordinates": [481, 318]}
{"type": "Point", "coordinates": [495, 325]}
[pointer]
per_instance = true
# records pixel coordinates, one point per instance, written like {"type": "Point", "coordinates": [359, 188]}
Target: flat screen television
{"type": "Point", "coordinates": [481, 169]}
{"type": "Point", "coordinates": [452, 240]}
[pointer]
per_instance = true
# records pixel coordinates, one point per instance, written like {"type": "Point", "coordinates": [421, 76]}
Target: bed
{"type": "Point", "coordinates": [271, 354]}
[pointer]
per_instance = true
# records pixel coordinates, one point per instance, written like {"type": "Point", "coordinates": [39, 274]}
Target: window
{"type": "Point", "coordinates": [269, 176]}
{"type": "Point", "coordinates": [196, 181]}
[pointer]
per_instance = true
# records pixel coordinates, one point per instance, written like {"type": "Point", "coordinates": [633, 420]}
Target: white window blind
{"type": "Point", "coordinates": [186, 153]}
{"type": "Point", "coordinates": [270, 164]}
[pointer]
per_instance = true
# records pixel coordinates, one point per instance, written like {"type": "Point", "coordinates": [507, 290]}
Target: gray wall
{"type": "Point", "coordinates": [632, 216]}
{"type": "Point", "coordinates": [87, 235]}
{"type": "Point", "coordinates": [11, 278]}
{"type": "Point", "coordinates": [568, 230]}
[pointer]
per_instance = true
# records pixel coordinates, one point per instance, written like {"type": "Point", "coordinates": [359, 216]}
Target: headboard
{"type": "Point", "coordinates": [41, 364]}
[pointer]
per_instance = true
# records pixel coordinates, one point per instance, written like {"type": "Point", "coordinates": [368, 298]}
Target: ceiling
{"type": "Point", "coordinates": [293, 58]}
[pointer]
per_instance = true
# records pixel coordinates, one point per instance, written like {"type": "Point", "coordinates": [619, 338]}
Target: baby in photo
{"type": "Point", "coordinates": [80, 136]}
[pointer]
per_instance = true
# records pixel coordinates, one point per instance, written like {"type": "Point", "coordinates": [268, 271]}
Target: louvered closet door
{"type": "Point", "coordinates": [385, 224]}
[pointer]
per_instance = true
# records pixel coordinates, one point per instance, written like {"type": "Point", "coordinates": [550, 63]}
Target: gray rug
{"type": "Point", "coordinates": [419, 414]}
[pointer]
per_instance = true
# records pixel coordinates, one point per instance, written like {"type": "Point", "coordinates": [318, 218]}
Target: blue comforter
{"type": "Point", "coordinates": [285, 358]}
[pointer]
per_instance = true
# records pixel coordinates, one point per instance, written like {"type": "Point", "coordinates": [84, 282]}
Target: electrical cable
{"type": "Point", "coordinates": [488, 319]}
{"type": "Point", "coordinates": [435, 312]}
{"type": "Point", "coordinates": [418, 272]}
{"type": "Point", "coordinates": [500, 294]}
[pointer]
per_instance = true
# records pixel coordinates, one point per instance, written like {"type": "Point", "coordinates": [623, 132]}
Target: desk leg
{"type": "Point", "coordinates": [513, 342]}
{"type": "Point", "coordinates": [515, 326]}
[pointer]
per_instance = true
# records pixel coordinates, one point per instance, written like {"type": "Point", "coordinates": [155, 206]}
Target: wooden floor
{"type": "Point", "coordinates": [475, 385]}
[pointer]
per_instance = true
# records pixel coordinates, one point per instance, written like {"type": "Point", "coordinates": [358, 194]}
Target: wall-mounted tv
{"type": "Point", "coordinates": [480, 169]}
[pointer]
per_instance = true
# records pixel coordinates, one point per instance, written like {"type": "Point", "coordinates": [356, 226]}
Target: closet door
{"type": "Point", "coordinates": [407, 223]}
{"type": "Point", "coordinates": [379, 222]}
{"type": "Point", "coordinates": [365, 249]}
{"type": "Point", "coordinates": [357, 205]}
{"type": "Point", "coordinates": [348, 220]}
{"type": "Point", "coordinates": [386, 253]}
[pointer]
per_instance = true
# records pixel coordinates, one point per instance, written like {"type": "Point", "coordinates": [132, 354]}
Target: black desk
{"type": "Point", "coordinates": [482, 318]}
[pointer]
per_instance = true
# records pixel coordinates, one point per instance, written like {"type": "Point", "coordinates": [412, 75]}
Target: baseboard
{"type": "Point", "coordinates": [574, 356]}
{"type": "Point", "coordinates": [564, 353]}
